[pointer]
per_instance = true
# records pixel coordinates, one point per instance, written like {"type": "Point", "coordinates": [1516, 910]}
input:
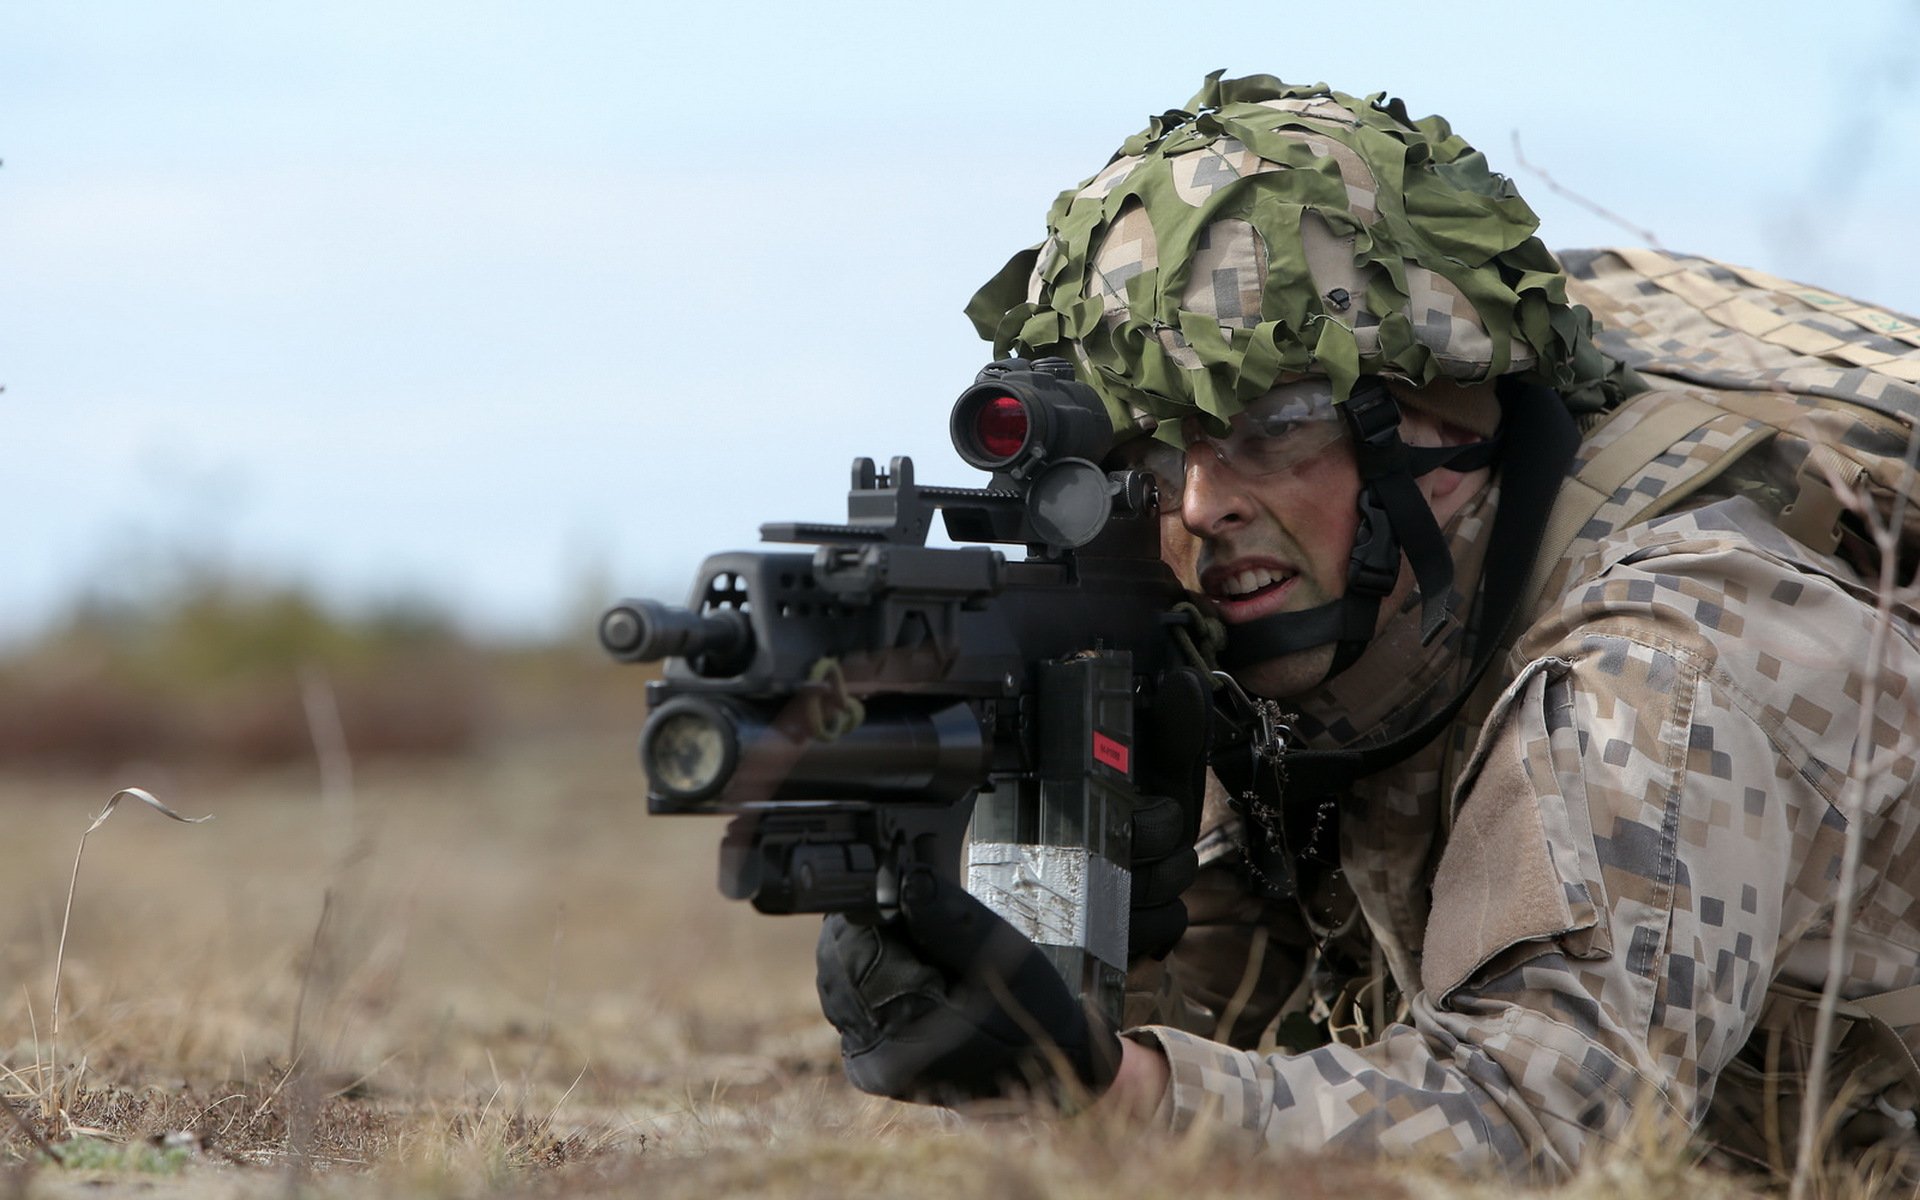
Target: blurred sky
{"type": "Point", "coordinates": [507, 305]}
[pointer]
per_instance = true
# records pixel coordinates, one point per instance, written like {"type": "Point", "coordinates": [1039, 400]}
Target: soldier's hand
{"type": "Point", "coordinates": [1175, 737]}
{"type": "Point", "coordinates": [948, 1003]}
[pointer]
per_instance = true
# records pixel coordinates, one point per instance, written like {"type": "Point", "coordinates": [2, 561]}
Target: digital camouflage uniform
{"type": "Point", "coordinates": [1645, 837]}
{"type": "Point", "coordinates": [1587, 903]}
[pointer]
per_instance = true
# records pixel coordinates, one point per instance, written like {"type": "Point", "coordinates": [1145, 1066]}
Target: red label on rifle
{"type": "Point", "coordinates": [1110, 752]}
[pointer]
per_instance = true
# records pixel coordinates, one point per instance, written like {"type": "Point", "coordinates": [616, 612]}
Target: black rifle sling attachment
{"type": "Point", "coordinates": [1536, 420]}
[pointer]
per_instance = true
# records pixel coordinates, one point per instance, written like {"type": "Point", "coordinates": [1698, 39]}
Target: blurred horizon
{"type": "Point", "coordinates": [484, 308]}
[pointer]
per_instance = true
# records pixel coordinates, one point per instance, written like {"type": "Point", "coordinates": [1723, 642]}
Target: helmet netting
{"type": "Point", "coordinates": [1143, 278]}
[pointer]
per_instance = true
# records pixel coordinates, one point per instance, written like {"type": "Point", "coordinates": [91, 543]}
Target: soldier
{"type": "Point", "coordinates": [1558, 842]}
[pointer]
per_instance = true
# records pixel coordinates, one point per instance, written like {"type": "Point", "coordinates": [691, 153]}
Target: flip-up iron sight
{"type": "Point", "coordinates": [848, 703]}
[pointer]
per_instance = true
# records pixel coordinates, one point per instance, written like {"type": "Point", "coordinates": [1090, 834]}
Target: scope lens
{"type": "Point", "coordinates": [1001, 425]}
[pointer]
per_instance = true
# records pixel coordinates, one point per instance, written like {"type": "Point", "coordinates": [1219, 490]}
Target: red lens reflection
{"type": "Point", "coordinates": [1001, 425]}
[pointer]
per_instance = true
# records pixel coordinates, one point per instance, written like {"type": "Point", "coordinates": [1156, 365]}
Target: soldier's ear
{"type": "Point", "coordinates": [1423, 427]}
{"type": "Point", "coordinates": [1458, 413]}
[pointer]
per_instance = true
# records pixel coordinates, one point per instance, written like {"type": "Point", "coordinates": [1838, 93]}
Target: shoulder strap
{"type": "Point", "coordinates": [1583, 494]}
{"type": "Point", "coordinates": [1899, 1008]}
{"type": "Point", "coordinates": [1649, 426]}
{"type": "Point", "coordinates": [1882, 1016]}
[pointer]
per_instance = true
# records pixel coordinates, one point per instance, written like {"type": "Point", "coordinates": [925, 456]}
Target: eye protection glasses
{"type": "Point", "coordinates": [1281, 431]}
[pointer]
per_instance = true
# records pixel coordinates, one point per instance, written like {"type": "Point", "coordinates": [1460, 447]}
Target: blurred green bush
{"type": "Point", "coordinates": [228, 670]}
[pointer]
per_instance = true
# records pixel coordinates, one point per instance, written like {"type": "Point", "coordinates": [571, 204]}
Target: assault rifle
{"type": "Point", "coordinates": [853, 707]}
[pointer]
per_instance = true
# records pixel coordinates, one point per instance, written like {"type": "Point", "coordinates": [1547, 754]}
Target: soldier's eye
{"type": "Point", "coordinates": [1278, 445]}
{"type": "Point", "coordinates": [1277, 426]}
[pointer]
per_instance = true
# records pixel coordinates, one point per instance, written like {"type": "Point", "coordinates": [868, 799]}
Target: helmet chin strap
{"type": "Point", "coordinates": [1394, 516]}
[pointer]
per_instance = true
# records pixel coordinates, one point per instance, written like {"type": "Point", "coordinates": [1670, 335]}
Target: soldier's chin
{"type": "Point", "coordinates": [1288, 675]}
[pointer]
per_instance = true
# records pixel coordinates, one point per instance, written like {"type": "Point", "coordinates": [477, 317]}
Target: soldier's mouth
{"type": "Point", "coordinates": [1242, 591]}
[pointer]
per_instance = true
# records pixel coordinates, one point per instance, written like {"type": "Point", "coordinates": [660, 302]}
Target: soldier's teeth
{"type": "Point", "coordinates": [1249, 581]}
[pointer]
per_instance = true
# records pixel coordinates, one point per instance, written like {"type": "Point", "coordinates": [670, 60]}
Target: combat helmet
{"type": "Point", "coordinates": [1268, 232]}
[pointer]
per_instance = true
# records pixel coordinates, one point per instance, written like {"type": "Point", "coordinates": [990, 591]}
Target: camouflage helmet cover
{"type": "Point", "coordinates": [1270, 231]}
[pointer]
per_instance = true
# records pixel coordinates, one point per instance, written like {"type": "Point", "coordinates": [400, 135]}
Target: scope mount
{"type": "Point", "coordinates": [1061, 507]}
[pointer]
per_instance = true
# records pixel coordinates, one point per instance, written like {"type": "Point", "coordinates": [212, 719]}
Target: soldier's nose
{"type": "Point", "coordinates": [1212, 499]}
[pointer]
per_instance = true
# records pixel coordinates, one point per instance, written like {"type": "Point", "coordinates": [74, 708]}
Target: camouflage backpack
{"type": "Point", "coordinates": [1740, 384]}
{"type": "Point", "coordinates": [1799, 399]}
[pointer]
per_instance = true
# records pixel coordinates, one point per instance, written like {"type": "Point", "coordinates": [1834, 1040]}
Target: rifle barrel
{"type": "Point", "coordinates": [648, 631]}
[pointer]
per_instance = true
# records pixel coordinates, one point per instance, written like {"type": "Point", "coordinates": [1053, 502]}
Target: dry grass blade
{"type": "Point", "coordinates": [295, 1048]}
{"type": "Point", "coordinates": [147, 798]}
{"type": "Point", "coordinates": [49, 1102]}
{"type": "Point", "coordinates": [329, 736]}
{"type": "Point", "coordinates": [1243, 993]}
{"type": "Point", "coordinates": [304, 1100]}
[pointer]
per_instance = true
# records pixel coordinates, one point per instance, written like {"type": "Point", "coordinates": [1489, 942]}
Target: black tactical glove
{"type": "Point", "coordinates": [947, 1002]}
{"type": "Point", "coordinates": [1174, 738]}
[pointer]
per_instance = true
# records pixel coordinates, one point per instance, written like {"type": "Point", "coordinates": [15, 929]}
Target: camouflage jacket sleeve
{"type": "Point", "coordinates": [1644, 840]}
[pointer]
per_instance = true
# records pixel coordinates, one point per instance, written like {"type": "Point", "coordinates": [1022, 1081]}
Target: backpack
{"type": "Point", "coordinates": [1795, 397]}
{"type": "Point", "coordinates": [1800, 399]}
{"type": "Point", "coordinates": [1815, 396]}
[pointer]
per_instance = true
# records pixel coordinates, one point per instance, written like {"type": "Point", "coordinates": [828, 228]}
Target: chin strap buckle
{"type": "Point", "coordinates": [1373, 416]}
{"type": "Point", "coordinates": [1374, 566]}
{"type": "Point", "coordinates": [1391, 500]}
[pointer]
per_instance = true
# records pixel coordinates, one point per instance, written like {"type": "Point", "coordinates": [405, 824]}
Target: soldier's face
{"type": "Point", "coordinates": [1264, 544]}
{"type": "Point", "coordinates": [1263, 520]}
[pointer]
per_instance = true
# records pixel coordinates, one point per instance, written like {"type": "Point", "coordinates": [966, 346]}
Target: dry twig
{"type": "Point", "coordinates": [50, 1100]}
{"type": "Point", "coordinates": [1567, 193]}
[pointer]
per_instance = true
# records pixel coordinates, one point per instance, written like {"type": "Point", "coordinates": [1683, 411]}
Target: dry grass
{"type": "Point", "coordinates": [521, 985]}
{"type": "Point", "coordinates": [516, 967]}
